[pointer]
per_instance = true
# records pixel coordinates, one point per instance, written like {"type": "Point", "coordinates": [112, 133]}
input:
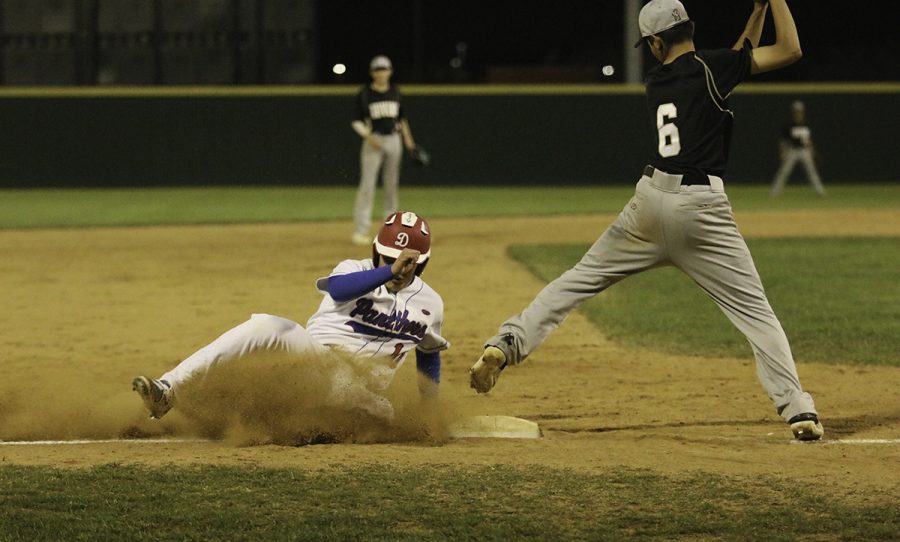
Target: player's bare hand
{"type": "Point", "coordinates": [405, 262]}
{"type": "Point", "coordinates": [374, 142]}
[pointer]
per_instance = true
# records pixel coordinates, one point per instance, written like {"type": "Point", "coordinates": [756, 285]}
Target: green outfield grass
{"type": "Point", "coordinates": [216, 205]}
{"type": "Point", "coordinates": [436, 503]}
{"type": "Point", "coordinates": [838, 300]}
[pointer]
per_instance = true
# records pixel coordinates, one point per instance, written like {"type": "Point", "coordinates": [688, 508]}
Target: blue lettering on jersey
{"type": "Point", "coordinates": [396, 324]}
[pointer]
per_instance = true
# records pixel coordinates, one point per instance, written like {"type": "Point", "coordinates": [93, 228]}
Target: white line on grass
{"type": "Point", "coordinates": [100, 441]}
{"type": "Point", "coordinates": [863, 441]}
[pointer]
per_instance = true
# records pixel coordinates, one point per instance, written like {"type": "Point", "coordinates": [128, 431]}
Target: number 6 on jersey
{"type": "Point", "coordinates": [669, 142]}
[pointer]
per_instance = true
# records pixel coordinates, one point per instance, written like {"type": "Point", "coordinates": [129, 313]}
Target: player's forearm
{"type": "Point", "coordinates": [352, 285]}
{"type": "Point", "coordinates": [406, 133]}
{"type": "Point", "coordinates": [753, 30]}
{"type": "Point", "coordinates": [429, 366]}
{"type": "Point", "coordinates": [787, 40]}
{"type": "Point", "coordinates": [361, 128]}
{"type": "Point", "coordinates": [786, 49]}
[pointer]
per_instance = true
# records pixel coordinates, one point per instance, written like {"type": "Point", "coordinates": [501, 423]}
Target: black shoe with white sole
{"type": "Point", "coordinates": [806, 426]}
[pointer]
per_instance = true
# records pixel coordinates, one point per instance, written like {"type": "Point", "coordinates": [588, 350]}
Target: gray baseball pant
{"type": "Point", "coordinates": [692, 228]}
{"type": "Point", "coordinates": [371, 161]}
{"type": "Point", "coordinates": [805, 157]}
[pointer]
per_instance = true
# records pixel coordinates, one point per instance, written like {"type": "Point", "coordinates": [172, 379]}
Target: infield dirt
{"type": "Point", "coordinates": [86, 310]}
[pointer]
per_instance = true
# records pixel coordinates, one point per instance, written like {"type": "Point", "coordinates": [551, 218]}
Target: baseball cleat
{"type": "Point", "coordinates": [156, 394]}
{"type": "Point", "coordinates": [806, 427]}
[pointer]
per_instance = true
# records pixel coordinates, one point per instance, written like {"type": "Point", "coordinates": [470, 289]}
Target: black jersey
{"type": "Point", "coordinates": [383, 109]}
{"type": "Point", "coordinates": [687, 105]}
{"type": "Point", "coordinates": [798, 135]}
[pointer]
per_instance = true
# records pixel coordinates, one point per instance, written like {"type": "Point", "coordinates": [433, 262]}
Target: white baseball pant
{"type": "Point", "coordinates": [277, 334]}
{"type": "Point", "coordinates": [792, 156]}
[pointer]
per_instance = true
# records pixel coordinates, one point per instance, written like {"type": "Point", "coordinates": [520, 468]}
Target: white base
{"type": "Point", "coordinates": [494, 427]}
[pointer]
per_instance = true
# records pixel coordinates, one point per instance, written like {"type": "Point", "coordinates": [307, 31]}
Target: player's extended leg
{"type": "Point", "coordinates": [370, 160]}
{"type": "Point", "coordinates": [781, 176]}
{"type": "Point", "coordinates": [713, 253]}
{"type": "Point", "coordinates": [260, 332]}
{"type": "Point", "coordinates": [627, 247]}
{"type": "Point", "coordinates": [806, 158]}
{"type": "Point", "coordinates": [393, 157]}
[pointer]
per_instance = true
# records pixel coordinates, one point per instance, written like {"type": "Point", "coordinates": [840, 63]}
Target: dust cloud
{"type": "Point", "coordinates": [263, 398]}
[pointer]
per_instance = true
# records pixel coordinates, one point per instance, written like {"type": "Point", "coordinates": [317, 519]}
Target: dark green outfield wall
{"type": "Point", "coordinates": [475, 136]}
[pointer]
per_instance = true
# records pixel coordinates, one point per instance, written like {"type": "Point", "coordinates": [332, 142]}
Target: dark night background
{"type": "Point", "coordinates": [226, 42]}
{"type": "Point", "coordinates": [841, 41]}
{"type": "Point", "coordinates": [301, 134]}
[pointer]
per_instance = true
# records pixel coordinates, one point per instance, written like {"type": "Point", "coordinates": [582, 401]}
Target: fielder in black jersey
{"type": "Point", "coordinates": [380, 110]}
{"type": "Point", "coordinates": [686, 100]}
{"type": "Point", "coordinates": [380, 121]}
{"type": "Point", "coordinates": [796, 145]}
{"type": "Point", "coordinates": [680, 215]}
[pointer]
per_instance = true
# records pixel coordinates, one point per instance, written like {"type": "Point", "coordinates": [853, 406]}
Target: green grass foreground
{"type": "Point", "coordinates": [42, 208]}
{"type": "Point", "coordinates": [837, 298]}
{"type": "Point", "coordinates": [434, 503]}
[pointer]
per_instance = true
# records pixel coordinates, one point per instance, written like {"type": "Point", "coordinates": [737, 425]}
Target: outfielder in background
{"type": "Point", "coordinates": [796, 145]}
{"type": "Point", "coordinates": [679, 214]}
{"type": "Point", "coordinates": [374, 311]}
{"type": "Point", "coordinates": [381, 123]}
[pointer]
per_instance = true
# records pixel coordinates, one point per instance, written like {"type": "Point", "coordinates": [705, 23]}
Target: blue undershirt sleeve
{"type": "Point", "coordinates": [352, 285]}
{"type": "Point", "coordinates": [429, 365]}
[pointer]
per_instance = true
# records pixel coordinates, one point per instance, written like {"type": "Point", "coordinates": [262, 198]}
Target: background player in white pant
{"type": "Point", "coordinates": [796, 145]}
{"type": "Point", "coordinates": [375, 313]}
{"type": "Point", "coordinates": [680, 214]}
{"type": "Point", "coordinates": [380, 121]}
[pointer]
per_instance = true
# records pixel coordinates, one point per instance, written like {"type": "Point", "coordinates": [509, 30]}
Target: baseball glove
{"type": "Point", "coordinates": [420, 156]}
{"type": "Point", "coordinates": [484, 374]}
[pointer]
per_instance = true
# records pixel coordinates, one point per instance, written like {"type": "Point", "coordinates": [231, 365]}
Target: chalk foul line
{"type": "Point", "coordinates": [826, 442]}
{"type": "Point", "coordinates": [863, 441]}
{"type": "Point", "coordinates": [101, 441]}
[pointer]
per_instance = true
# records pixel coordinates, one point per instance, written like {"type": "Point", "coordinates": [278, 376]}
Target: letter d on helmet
{"type": "Point", "coordinates": [403, 230]}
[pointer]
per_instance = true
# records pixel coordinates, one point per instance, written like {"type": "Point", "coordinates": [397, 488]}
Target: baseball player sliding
{"type": "Point", "coordinates": [377, 310]}
{"type": "Point", "coordinates": [380, 122]}
{"type": "Point", "coordinates": [679, 214]}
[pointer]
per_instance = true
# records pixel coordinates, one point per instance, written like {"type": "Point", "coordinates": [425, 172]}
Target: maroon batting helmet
{"type": "Point", "coordinates": [403, 230]}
